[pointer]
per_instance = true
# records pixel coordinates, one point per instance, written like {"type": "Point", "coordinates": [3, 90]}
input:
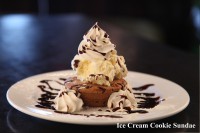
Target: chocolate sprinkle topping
{"type": "Point", "coordinates": [76, 62]}
{"type": "Point", "coordinates": [106, 35]}
{"type": "Point", "coordinates": [107, 78]}
{"type": "Point", "coordinates": [94, 40]}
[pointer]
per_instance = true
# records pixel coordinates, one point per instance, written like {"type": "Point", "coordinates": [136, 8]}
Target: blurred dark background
{"type": "Point", "coordinates": [173, 22]}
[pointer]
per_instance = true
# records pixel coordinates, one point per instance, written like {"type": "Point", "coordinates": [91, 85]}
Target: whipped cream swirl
{"type": "Point", "coordinates": [97, 60]}
{"type": "Point", "coordinates": [68, 101]}
{"type": "Point", "coordinates": [121, 100]}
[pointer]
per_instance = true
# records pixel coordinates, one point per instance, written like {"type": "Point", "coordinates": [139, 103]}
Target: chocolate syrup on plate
{"type": "Point", "coordinates": [88, 115]}
{"type": "Point", "coordinates": [45, 100]}
{"type": "Point", "coordinates": [147, 100]}
{"type": "Point", "coordinates": [144, 87]}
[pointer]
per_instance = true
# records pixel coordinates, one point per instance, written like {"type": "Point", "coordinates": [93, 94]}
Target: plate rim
{"type": "Point", "coordinates": [40, 116]}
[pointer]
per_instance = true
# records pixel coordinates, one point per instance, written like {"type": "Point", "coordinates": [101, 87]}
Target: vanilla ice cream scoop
{"type": "Point", "coordinates": [97, 60]}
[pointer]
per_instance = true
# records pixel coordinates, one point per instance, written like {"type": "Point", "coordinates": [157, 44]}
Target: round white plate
{"type": "Point", "coordinates": [24, 94]}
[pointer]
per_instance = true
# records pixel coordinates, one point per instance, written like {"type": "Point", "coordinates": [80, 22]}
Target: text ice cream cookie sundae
{"type": "Point", "coordinates": [99, 80]}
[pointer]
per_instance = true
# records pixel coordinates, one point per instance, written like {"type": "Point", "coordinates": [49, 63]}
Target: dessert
{"type": "Point", "coordinates": [99, 80]}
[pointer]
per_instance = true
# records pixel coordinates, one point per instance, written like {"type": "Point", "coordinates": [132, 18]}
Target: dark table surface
{"type": "Point", "coordinates": [32, 45]}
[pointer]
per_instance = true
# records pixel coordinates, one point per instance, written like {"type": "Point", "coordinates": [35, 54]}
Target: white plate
{"type": "Point", "coordinates": [24, 94]}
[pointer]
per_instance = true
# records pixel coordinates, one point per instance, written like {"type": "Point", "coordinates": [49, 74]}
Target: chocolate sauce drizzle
{"type": "Point", "coordinates": [49, 86]}
{"type": "Point", "coordinates": [147, 100]}
{"type": "Point", "coordinates": [62, 79]}
{"type": "Point", "coordinates": [102, 89]}
{"type": "Point", "coordinates": [144, 87]}
{"type": "Point", "coordinates": [88, 115]}
{"type": "Point", "coordinates": [84, 49]}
